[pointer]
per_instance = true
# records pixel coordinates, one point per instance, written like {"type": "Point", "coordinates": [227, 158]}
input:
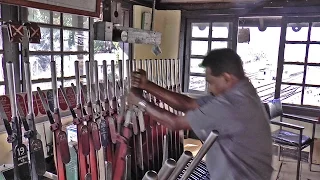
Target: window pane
{"type": "Point", "coordinates": [2, 90]}
{"type": "Point", "coordinates": [200, 30]}
{"type": "Point", "coordinates": [292, 73]}
{"type": "Point", "coordinates": [300, 35]}
{"type": "Point", "coordinates": [315, 36]}
{"type": "Point", "coordinates": [1, 68]}
{"type": "Point", "coordinates": [57, 59]}
{"type": "Point", "coordinates": [314, 51]}
{"type": "Point", "coordinates": [72, 20]}
{"type": "Point", "coordinates": [199, 47]}
{"type": "Point", "coordinates": [313, 74]}
{"type": "Point", "coordinates": [44, 85]}
{"type": "Point", "coordinates": [195, 66]}
{"type": "Point", "coordinates": [75, 40]}
{"type": "Point", "coordinates": [294, 52]}
{"type": "Point", "coordinates": [56, 40]}
{"type": "Point", "coordinates": [197, 83]}
{"type": "Point", "coordinates": [45, 41]}
{"type": "Point", "coordinates": [1, 40]}
{"type": "Point", "coordinates": [37, 15]}
{"type": "Point", "coordinates": [220, 30]}
{"type": "Point", "coordinates": [219, 44]}
{"type": "Point", "coordinates": [291, 94]}
{"type": "Point", "coordinates": [67, 83]}
{"type": "Point", "coordinates": [56, 18]}
{"type": "Point", "coordinates": [68, 64]}
{"type": "Point", "coordinates": [40, 67]}
{"type": "Point", "coordinates": [311, 96]}
{"type": "Point", "coordinates": [260, 60]}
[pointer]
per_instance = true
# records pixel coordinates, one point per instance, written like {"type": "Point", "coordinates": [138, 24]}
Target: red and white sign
{"type": "Point", "coordinates": [5, 101]}
{"type": "Point", "coordinates": [42, 111]}
{"type": "Point", "coordinates": [71, 96]}
{"type": "Point", "coordinates": [22, 103]}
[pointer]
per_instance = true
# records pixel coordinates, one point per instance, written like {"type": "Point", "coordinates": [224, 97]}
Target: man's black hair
{"type": "Point", "coordinates": [222, 61]}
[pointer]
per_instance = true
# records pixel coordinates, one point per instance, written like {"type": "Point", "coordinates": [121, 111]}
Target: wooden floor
{"type": "Point", "coordinates": [283, 170]}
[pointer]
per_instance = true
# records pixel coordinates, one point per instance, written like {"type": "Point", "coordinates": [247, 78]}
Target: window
{"type": "Point", "coordinates": [206, 36]}
{"type": "Point", "coordinates": [260, 58]}
{"type": "Point", "coordinates": [2, 84]}
{"type": "Point", "coordinates": [64, 39]}
{"type": "Point", "coordinates": [299, 84]}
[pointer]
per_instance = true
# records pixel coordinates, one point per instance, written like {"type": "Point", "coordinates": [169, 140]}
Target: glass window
{"type": "Point", "coordinates": [315, 36]}
{"type": "Point", "coordinates": [199, 48]}
{"type": "Point", "coordinates": [75, 40]}
{"type": "Point", "coordinates": [195, 66]}
{"type": "Point", "coordinates": [292, 73]}
{"type": "Point", "coordinates": [56, 18]}
{"type": "Point", "coordinates": [260, 60]}
{"type": "Point", "coordinates": [68, 64]}
{"type": "Point", "coordinates": [38, 15]}
{"type": "Point", "coordinates": [56, 40]}
{"type": "Point", "coordinates": [2, 90]}
{"type": "Point", "coordinates": [297, 32]}
{"type": "Point", "coordinates": [200, 30]}
{"type": "Point", "coordinates": [67, 83]}
{"type": "Point", "coordinates": [314, 52]}
{"type": "Point", "coordinates": [40, 66]}
{"type": "Point", "coordinates": [197, 83]}
{"type": "Point", "coordinates": [311, 96]}
{"type": "Point", "coordinates": [220, 30]}
{"type": "Point", "coordinates": [312, 76]}
{"type": "Point", "coordinates": [294, 52]}
{"type": "Point", "coordinates": [72, 20]}
{"type": "Point", "coordinates": [219, 44]}
{"type": "Point", "coordinates": [44, 85]}
{"type": "Point", "coordinates": [45, 41]}
{"type": "Point", "coordinates": [291, 94]}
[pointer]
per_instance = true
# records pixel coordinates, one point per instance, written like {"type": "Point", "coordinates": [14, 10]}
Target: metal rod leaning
{"type": "Point", "coordinates": [181, 164]}
{"type": "Point", "coordinates": [150, 175]}
{"type": "Point", "coordinates": [167, 168]}
{"type": "Point", "coordinates": [202, 152]}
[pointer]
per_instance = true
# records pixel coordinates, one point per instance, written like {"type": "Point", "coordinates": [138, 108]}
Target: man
{"type": "Point", "coordinates": [243, 150]}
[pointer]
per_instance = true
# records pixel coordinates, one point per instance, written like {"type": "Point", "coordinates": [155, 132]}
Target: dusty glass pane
{"type": "Point", "coordinates": [200, 30]}
{"type": "Point", "coordinates": [40, 67]}
{"type": "Point", "coordinates": [315, 35]}
{"type": "Point", "coordinates": [56, 40]}
{"type": "Point", "coordinates": [291, 94]}
{"type": "Point", "coordinates": [314, 52]}
{"type": "Point", "coordinates": [300, 35]}
{"type": "Point", "coordinates": [56, 18]}
{"type": "Point", "coordinates": [313, 74]}
{"type": "Point", "coordinates": [195, 66]}
{"type": "Point", "coordinates": [219, 45]}
{"type": "Point", "coordinates": [38, 15]}
{"type": "Point", "coordinates": [2, 90]}
{"type": "Point", "coordinates": [292, 73]}
{"type": "Point", "coordinates": [57, 59]}
{"type": "Point", "coordinates": [311, 96]}
{"type": "Point", "coordinates": [220, 30]}
{"type": "Point", "coordinates": [75, 40]}
{"type": "Point", "coordinates": [72, 20]}
{"type": "Point", "coordinates": [197, 83]}
{"type": "Point", "coordinates": [199, 47]}
{"type": "Point", "coordinates": [45, 41]}
{"type": "Point", "coordinates": [260, 60]}
{"type": "Point", "coordinates": [68, 64]}
{"type": "Point", "coordinates": [294, 52]}
{"type": "Point", "coordinates": [67, 83]}
{"type": "Point", "coordinates": [44, 85]}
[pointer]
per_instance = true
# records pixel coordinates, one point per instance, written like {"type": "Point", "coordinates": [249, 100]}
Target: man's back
{"type": "Point", "coordinates": [244, 146]}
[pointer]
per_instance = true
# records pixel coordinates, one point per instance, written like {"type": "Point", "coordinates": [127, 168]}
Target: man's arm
{"type": "Point", "coordinates": [175, 100]}
{"type": "Point", "coordinates": [167, 118]}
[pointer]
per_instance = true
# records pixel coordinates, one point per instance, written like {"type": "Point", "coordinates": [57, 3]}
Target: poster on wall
{"type": "Point", "coordinates": [79, 7]}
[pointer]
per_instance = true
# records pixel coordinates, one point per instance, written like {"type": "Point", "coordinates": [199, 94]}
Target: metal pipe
{"type": "Point", "coordinates": [29, 88]}
{"type": "Point", "coordinates": [181, 164]}
{"type": "Point", "coordinates": [150, 175]}
{"type": "Point", "coordinates": [87, 66]}
{"type": "Point", "coordinates": [12, 89]}
{"type": "Point", "coordinates": [167, 168]}
{"type": "Point", "coordinates": [54, 84]}
{"type": "Point", "coordinates": [202, 152]}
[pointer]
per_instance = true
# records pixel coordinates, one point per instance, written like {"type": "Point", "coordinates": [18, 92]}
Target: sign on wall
{"type": "Point", "coordinates": [80, 7]}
